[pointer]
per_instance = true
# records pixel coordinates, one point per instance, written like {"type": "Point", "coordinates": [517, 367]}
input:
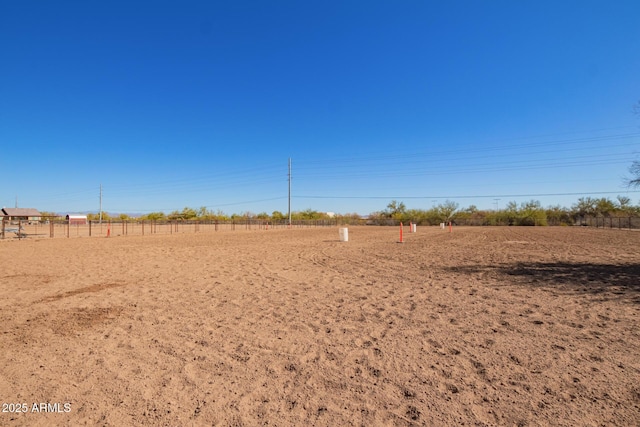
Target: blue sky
{"type": "Point", "coordinates": [170, 104]}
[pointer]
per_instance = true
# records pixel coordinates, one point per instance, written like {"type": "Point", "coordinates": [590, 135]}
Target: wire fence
{"type": "Point", "coordinates": [617, 222]}
{"type": "Point", "coordinates": [65, 228]}
{"type": "Point", "coordinates": [629, 222]}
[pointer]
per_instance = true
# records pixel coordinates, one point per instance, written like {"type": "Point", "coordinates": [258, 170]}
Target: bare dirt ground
{"type": "Point", "coordinates": [482, 326]}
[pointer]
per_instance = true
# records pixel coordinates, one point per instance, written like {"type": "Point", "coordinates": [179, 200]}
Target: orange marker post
{"type": "Point", "coordinates": [401, 241]}
{"type": "Point", "coordinates": [450, 227]}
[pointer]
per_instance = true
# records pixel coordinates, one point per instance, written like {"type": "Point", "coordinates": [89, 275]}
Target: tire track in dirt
{"type": "Point", "coordinates": [87, 289]}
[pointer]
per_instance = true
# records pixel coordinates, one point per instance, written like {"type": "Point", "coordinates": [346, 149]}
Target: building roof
{"type": "Point", "coordinates": [20, 212]}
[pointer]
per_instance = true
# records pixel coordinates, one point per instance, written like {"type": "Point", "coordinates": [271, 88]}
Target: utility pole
{"type": "Point", "coordinates": [289, 191]}
{"type": "Point", "coordinates": [100, 203]}
{"type": "Point", "coordinates": [497, 206]}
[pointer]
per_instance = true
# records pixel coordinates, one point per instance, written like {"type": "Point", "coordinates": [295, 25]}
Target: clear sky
{"type": "Point", "coordinates": [168, 104]}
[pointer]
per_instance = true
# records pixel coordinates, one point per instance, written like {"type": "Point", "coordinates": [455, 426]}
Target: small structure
{"type": "Point", "coordinates": [76, 219]}
{"type": "Point", "coordinates": [20, 214]}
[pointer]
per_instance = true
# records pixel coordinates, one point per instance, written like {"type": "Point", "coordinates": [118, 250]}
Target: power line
{"type": "Point", "coordinates": [479, 158]}
{"type": "Point", "coordinates": [219, 205]}
{"type": "Point", "coordinates": [472, 147]}
{"type": "Point", "coordinates": [475, 196]}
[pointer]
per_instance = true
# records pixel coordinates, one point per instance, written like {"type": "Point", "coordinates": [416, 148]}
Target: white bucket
{"type": "Point", "coordinates": [413, 228]}
{"type": "Point", "coordinates": [344, 234]}
{"type": "Point", "coordinates": [442, 225]}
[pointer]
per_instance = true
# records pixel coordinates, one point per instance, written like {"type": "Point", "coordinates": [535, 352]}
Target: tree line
{"type": "Point", "coordinates": [526, 213]}
{"type": "Point", "coordinates": [204, 214]}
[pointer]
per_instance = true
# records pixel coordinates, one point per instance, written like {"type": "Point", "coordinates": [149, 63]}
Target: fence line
{"type": "Point", "coordinates": [619, 222]}
{"type": "Point", "coordinates": [626, 222]}
{"type": "Point", "coordinates": [63, 228]}
{"type": "Point", "coordinates": [69, 229]}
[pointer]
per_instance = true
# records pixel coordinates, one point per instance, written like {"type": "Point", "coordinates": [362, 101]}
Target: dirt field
{"type": "Point", "coordinates": [482, 326]}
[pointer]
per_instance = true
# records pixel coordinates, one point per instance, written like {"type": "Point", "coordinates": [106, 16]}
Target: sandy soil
{"type": "Point", "coordinates": [482, 326]}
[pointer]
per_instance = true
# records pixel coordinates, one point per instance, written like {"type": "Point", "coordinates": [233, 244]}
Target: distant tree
{"type": "Point", "coordinates": [96, 217]}
{"type": "Point", "coordinates": [511, 213]}
{"type": "Point", "coordinates": [48, 216]}
{"type": "Point", "coordinates": [277, 216]}
{"type": "Point", "coordinates": [189, 213]}
{"type": "Point", "coordinates": [604, 207]}
{"type": "Point", "coordinates": [378, 217]}
{"type": "Point", "coordinates": [634, 180]}
{"type": "Point", "coordinates": [204, 213]}
{"type": "Point", "coordinates": [308, 214]}
{"type": "Point", "coordinates": [512, 206]}
{"type": "Point", "coordinates": [585, 206]}
{"type": "Point", "coordinates": [634, 169]}
{"type": "Point", "coordinates": [348, 218]}
{"type": "Point", "coordinates": [219, 215]}
{"type": "Point", "coordinates": [473, 209]}
{"type": "Point", "coordinates": [558, 215]}
{"type": "Point", "coordinates": [154, 216]}
{"type": "Point", "coordinates": [624, 205]}
{"type": "Point", "coordinates": [174, 215]}
{"type": "Point", "coordinates": [531, 213]}
{"type": "Point", "coordinates": [416, 216]}
{"type": "Point", "coordinates": [471, 215]}
{"type": "Point", "coordinates": [446, 210]}
{"type": "Point", "coordinates": [395, 210]}
{"type": "Point", "coordinates": [623, 202]}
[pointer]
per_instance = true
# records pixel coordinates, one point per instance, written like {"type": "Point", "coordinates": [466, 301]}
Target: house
{"type": "Point", "coordinates": [20, 214]}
